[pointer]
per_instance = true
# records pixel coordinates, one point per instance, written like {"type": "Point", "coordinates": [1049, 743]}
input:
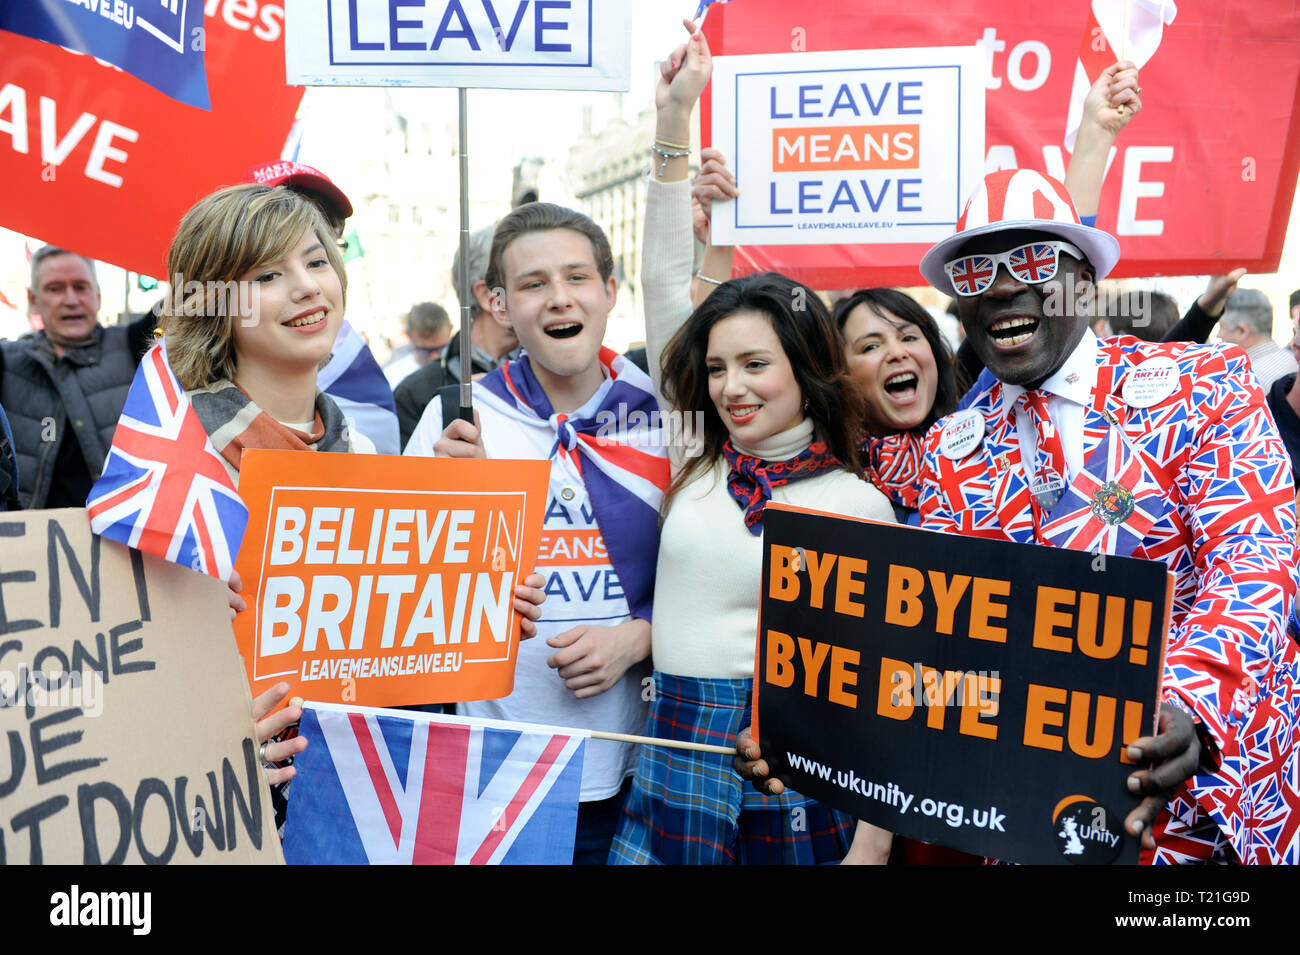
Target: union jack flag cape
{"type": "Point", "coordinates": [395, 787]}
{"type": "Point", "coordinates": [165, 489]}
{"type": "Point", "coordinates": [620, 450]}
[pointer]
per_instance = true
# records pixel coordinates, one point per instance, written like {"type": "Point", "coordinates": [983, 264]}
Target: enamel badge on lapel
{"type": "Point", "coordinates": [1150, 382]}
{"type": "Point", "coordinates": [1047, 488]}
{"type": "Point", "coordinates": [963, 433]}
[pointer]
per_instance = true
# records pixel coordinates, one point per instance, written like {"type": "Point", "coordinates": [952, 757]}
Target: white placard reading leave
{"type": "Point", "coordinates": [848, 146]}
{"type": "Point", "coordinates": [509, 44]}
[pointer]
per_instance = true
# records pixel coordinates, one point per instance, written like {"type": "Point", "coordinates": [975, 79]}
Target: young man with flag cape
{"type": "Point", "coordinates": [594, 416]}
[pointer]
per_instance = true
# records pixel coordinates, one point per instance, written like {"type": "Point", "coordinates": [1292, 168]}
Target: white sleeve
{"type": "Point", "coordinates": [668, 252]}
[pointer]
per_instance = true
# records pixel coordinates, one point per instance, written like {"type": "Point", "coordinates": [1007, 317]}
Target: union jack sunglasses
{"type": "Point", "coordinates": [1032, 263]}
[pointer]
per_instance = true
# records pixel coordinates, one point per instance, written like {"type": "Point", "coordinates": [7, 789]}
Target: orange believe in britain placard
{"type": "Point", "coordinates": [385, 581]}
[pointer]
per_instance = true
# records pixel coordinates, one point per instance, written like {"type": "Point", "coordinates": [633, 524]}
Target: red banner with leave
{"type": "Point", "coordinates": [1202, 180]}
{"type": "Point", "coordinates": [96, 161]}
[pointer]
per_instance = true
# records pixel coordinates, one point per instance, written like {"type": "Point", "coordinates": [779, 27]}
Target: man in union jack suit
{"type": "Point", "coordinates": [1160, 451]}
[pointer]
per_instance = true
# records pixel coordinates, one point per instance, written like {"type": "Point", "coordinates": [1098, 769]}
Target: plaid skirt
{"type": "Point", "coordinates": [692, 808]}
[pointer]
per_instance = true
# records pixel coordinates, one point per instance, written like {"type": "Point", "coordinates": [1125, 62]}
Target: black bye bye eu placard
{"type": "Point", "coordinates": [972, 693]}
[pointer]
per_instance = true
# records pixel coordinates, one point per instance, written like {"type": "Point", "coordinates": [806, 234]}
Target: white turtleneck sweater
{"type": "Point", "coordinates": [710, 565]}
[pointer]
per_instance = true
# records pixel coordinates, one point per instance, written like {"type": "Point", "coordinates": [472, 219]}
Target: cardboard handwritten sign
{"type": "Point", "coordinates": [848, 146]}
{"type": "Point", "coordinates": [127, 733]}
{"type": "Point", "coordinates": [386, 581]}
{"type": "Point", "coordinates": [973, 693]}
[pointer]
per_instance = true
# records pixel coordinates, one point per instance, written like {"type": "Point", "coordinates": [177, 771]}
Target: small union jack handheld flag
{"type": "Point", "coordinates": [392, 787]}
{"type": "Point", "coordinates": [164, 489]}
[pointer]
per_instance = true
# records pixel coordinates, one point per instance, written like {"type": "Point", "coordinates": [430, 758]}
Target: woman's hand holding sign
{"type": "Point", "coordinates": [750, 764]}
{"type": "Point", "coordinates": [713, 182]}
{"type": "Point", "coordinates": [270, 723]}
{"type": "Point", "coordinates": [871, 844]}
{"type": "Point", "coordinates": [529, 597]}
{"type": "Point", "coordinates": [234, 588]}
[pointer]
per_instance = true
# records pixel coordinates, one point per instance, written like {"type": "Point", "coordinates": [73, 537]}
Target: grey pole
{"type": "Point", "coordinates": [462, 280]}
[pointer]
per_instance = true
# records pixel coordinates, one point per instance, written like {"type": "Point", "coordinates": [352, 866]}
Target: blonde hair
{"type": "Point", "coordinates": [223, 236]}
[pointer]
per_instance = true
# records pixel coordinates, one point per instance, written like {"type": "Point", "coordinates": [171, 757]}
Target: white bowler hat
{"type": "Point", "coordinates": [1020, 199]}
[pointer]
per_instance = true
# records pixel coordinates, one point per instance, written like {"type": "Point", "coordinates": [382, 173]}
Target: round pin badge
{"type": "Point", "coordinates": [963, 433]}
{"type": "Point", "coordinates": [1150, 383]}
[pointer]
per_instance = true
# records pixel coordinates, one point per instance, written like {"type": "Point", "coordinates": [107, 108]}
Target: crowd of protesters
{"type": "Point", "coordinates": [842, 409]}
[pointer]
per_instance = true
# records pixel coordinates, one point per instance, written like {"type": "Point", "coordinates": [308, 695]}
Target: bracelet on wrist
{"type": "Point", "coordinates": [699, 274]}
{"type": "Point", "coordinates": [667, 154]}
{"type": "Point", "coordinates": [671, 144]}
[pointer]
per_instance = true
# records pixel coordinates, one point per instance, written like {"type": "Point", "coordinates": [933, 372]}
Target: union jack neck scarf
{"type": "Point", "coordinates": [893, 464]}
{"type": "Point", "coordinates": [616, 445]}
{"type": "Point", "coordinates": [234, 423]}
{"type": "Point", "coordinates": [752, 479]}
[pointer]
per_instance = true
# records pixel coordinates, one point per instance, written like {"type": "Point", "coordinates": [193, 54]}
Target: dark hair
{"type": "Point", "coordinates": [543, 217]}
{"type": "Point", "coordinates": [808, 337]}
{"type": "Point", "coordinates": [880, 300]}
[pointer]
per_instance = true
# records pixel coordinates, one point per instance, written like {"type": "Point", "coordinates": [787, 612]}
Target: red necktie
{"type": "Point", "coordinates": [1049, 478]}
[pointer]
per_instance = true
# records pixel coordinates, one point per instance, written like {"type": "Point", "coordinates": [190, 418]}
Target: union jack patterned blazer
{"type": "Point", "coordinates": [1213, 499]}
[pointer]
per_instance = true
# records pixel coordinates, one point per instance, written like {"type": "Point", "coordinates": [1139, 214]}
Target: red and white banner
{"type": "Point", "coordinates": [1201, 181]}
{"type": "Point", "coordinates": [97, 161]}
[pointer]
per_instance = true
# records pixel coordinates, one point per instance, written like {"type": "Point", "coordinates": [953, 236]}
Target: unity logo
{"type": "Point", "coordinates": [1086, 833]}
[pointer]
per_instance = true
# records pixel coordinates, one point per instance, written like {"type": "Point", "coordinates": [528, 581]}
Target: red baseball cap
{"type": "Point", "coordinates": [303, 178]}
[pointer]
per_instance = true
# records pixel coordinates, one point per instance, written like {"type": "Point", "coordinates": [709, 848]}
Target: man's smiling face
{"type": "Point", "coordinates": [1020, 339]}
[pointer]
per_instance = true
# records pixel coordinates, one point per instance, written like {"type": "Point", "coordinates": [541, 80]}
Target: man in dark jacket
{"type": "Point", "coordinates": [64, 387]}
{"type": "Point", "coordinates": [8, 467]}
{"type": "Point", "coordinates": [1284, 402]}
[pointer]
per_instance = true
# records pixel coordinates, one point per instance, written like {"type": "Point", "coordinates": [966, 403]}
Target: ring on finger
{"type": "Point", "coordinates": [261, 753]}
